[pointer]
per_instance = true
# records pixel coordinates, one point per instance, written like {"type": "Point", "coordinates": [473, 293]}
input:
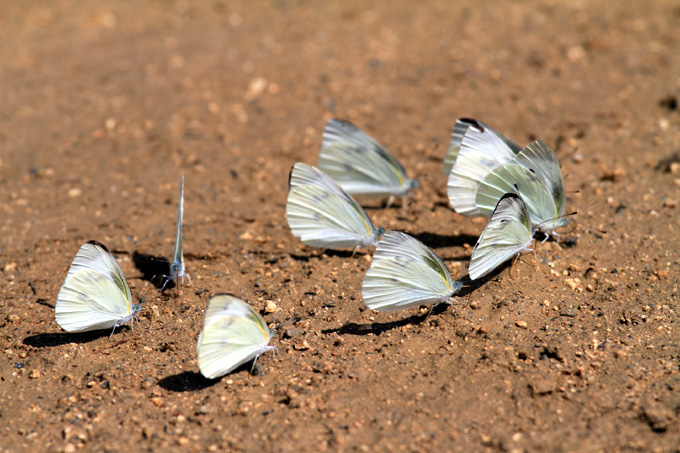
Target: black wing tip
{"type": "Point", "coordinates": [339, 122]}
{"type": "Point", "coordinates": [98, 244]}
{"type": "Point", "coordinates": [472, 122]}
{"type": "Point", "coordinates": [510, 195]}
{"type": "Point", "coordinates": [290, 174]}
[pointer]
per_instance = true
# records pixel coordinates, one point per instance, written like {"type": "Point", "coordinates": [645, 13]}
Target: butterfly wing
{"type": "Point", "coordinates": [405, 273]}
{"type": "Point", "coordinates": [507, 234]}
{"type": "Point", "coordinates": [232, 335]}
{"type": "Point", "coordinates": [321, 214]}
{"type": "Point", "coordinates": [323, 219]}
{"type": "Point", "coordinates": [95, 294]}
{"type": "Point", "coordinates": [541, 159]}
{"type": "Point", "coordinates": [307, 175]}
{"type": "Point", "coordinates": [457, 134]}
{"type": "Point", "coordinates": [481, 151]}
{"type": "Point", "coordinates": [513, 178]}
{"type": "Point", "coordinates": [360, 164]}
{"type": "Point", "coordinates": [177, 265]}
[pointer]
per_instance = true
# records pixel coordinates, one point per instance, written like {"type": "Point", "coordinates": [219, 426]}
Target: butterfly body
{"type": "Point", "coordinates": [361, 165]}
{"type": "Point", "coordinates": [535, 175]}
{"type": "Point", "coordinates": [95, 294]}
{"type": "Point", "coordinates": [481, 150]}
{"type": "Point", "coordinates": [405, 273]}
{"type": "Point", "coordinates": [508, 233]}
{"type": "Point", "coordinates": [233, 334]}
{"type": "Point", "coordinates": [458, 133]}
{"type": "Point", "coordinates": [177, 269]}
{"type": "Point", "coordinates": [322, 214]}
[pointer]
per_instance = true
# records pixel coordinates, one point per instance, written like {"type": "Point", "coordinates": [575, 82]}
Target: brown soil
{"type": "Point", "coordinates": [104, 105]}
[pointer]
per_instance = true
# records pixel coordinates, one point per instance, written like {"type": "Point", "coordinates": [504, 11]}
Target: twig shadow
{"type": "Point", "coordinates": [377, 328]}
{"type": "Point", "coordinates": [49, 340]}
{"type": "Point", "coordinates": [187, 381]}
{"type": "Point", "coordinates": [153, 268]}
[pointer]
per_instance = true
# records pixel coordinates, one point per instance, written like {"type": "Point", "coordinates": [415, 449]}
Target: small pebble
{"type": "Point", "coordinates": [270, 307]}
{"type": "Point", "coordinates": [302, 346]}
{"type": "Point", "coordinates": [246, 236]}
{"type": "Point", "coordinates": [35, 374]}
{"type": "Point", "coordinates": [521, 324]}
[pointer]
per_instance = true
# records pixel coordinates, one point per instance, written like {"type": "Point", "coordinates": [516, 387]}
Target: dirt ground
{"type": "Point", "coordinates": [104, 105]}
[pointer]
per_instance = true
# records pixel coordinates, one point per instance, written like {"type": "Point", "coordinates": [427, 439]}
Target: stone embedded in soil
{"type": "Point", "coordinates": [302, 346]}
{"type": "Point", "coordinates": [657, 417]}
{"type": "Point", "coordinates": [542, 386]}
{"type": "Point", "coordinates": [35, 374]}
{"type": "Point", "coordinates": [291, 333]}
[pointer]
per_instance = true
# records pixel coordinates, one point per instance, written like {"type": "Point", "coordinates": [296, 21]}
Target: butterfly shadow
{"type": "Point", "coordinates": [377, 328]}
{"type": "Point", "coordinates": [470, 286]}
{"type": "Point", "coordinates": [153, 268]}
{"type": "Point", "coordinates": [186, 381]}
{"type": "Point", "coordinates": [49, 340]}
{"type": "Point", "coordinates": [191, 381]}
{"type": "Point", "coordinates": [436, 240]}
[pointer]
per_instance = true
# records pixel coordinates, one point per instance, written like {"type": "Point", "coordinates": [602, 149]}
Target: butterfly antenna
{"type": "Point", "coordinates": [589, 227]}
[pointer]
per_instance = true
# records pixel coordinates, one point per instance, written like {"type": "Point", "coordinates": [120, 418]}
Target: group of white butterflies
{"type": "Point", "coordinates": [489, 175]}
{"type": "Point", "coordinates": [95, 295]}
{"type": "Point", "coordinates": [521, 190]}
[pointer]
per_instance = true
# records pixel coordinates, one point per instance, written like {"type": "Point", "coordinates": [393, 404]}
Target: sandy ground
{"type": "Point", "coordinates": [103, 106]}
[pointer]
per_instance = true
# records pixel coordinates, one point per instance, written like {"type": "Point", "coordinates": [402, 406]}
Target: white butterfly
{"type": "Point", "coordinates": [535, 175]}
{"type": "Point", "coordinates": [361, 165]}
{"type": "Point", "coordinates": [405, 273]}
{"type": "Point", "coordinates": [177, 270]}
{"type": "Point", "coordinates": [233, 334]}
{"type": "Point", "coordinates": [321, 214]}
{"type": "Point", "coordinates": [457, 134]}
{"type": "Point", "coordinates": [508, 233]}
{"type": "Point", "coordinates": [480, 151]}
{"type": "Point", "coordinates": [95, 294]}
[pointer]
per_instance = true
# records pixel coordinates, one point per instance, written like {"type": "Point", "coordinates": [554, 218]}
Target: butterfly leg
{"type": "Point", "coordinates": [390, 201]}
{"type": "Point", "coordinates": [429, 312]}
{"type": "Point", "coordinates": [168, 279]}
{"type": "Point", "coordinates": [512, 266]}
{"type": "Point", "coordinates": [404, 203]}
